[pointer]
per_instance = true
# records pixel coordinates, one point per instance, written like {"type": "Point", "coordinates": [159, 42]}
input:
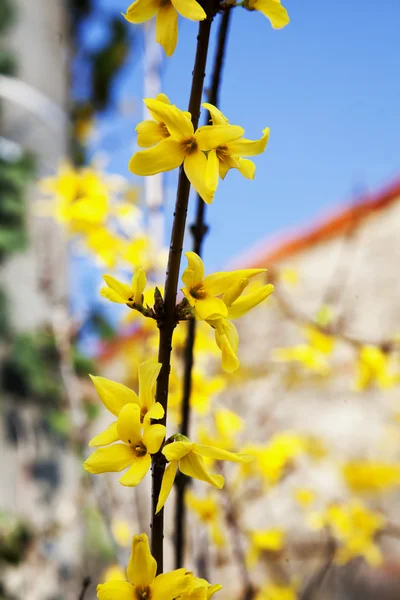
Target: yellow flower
{"type": "Point", "coordinates": [116, 395]}
{"type": "Point", "coordinates": [373, 367]}
{"type": "Point", "coordinates": [304, 497]}
{"type": "Point", "coordinates": [142, 582]}
{"type": "Point", "coordinates": [152, 131]}
{"type": "Point", "coordinates": [277, 592]}
{"type": "Point", "coordinates": [227, 424]}
{"type": "Point", "coordinates": [230, 155]}
{"type": "Point", "coordinates": [140, 441]}
{"type": "Point", "coordinates": [202, 292]}
{"type": "Point", "coordinates": [370, 477]}
{"type": "Point", "coordinates": [122, 293]}
{"type": "Point", "coordinates": [202, 590]}
{"type": "Point", "coordinates": [272, 9]}
{"type": "Point", "coordinates": [105, 245]}
{"type": "Point", "coordinates": [226, 335]}
{"type": "Point", "coordinates": [121, 531]}
{"type": "Point", "coordinates": [269, 540]}
{"type": "Point", "coordinates": [167, 18]}
{"type": "Point", "coordinates": [208, 512]}
{"type": "Point", "coordinates": [183, 145]}
{"type": "Point", "coordinates": [188, 457]}
{"type": "Point", "coordinates": [355, 528]}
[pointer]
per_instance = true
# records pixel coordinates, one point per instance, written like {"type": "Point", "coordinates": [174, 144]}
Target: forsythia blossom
{"type": "Point", "coordinates": [272, 9]}
{"type": "Point", "coordinates": [188, 457]}
{"type": "Point", "coordinates": [184, 146]}
{"type": "Point", "coordinates": [139, 438]}
{"type": "Point", "coordinates": [166, 12]}
{"type": "Point", "coordinates": [122, 293]}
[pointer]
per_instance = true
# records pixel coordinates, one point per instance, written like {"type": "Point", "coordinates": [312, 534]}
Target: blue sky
{"type": "Point", "coordinates": [326, 86]}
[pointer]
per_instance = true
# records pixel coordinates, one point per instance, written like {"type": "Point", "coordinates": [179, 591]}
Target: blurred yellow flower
{"type": "Point", "coordinates": [122, 533]}
{"type": "Point", "coordinates": [269, 540]}
{"type": "Point", "coordinates": [166, 12]}
{"type": "Point", "coordinates": [272, 9]}
{"type": "Point", "coordinates": [277, 592]}
{"type": "Point", "coordinates": [114, 573]}
{"type": "Point", "coordinates": [209, 513]}
{"type": "Point", "coordinates": [370, 477]}
{"type": "Point", "coordinates": [374, 368]}
{"type": "Point", "coordinates": [304, 497]}
{"type": "Point", "coordinates": [183, 146]}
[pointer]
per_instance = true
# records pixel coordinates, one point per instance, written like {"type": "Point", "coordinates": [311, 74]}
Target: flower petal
{"type": "Point", "coordinates": [148, 373]}
{"type": "Point", "coordinates": [176, 450]}
{"type": "Point", "coordinates": [138, 470]}
{"type": "Point", "coordinates": [235, 291]}
{"type": "Point", "coordinates": [128, 425]}
{"type": "Point", "coordinates": [210, 308]}
{"type": "Point", "coordinates": [211, 136]}
{"type": "Point", "coordinates": [138, 284]}
{"type": "Point", "coordinates": [216, 115]}
{"type": "Point", "coordinates": [190, 9]}
{"type": "Point", "coordinates": [274, 11]}
{"type": "Point", "coordinates": [142, 567]}
{"type": "Point", "coordinates": [122, 590]}
{"type": "Point", "coordinates": [142, 10]}
{"type": "Point", "coordinates": [195, 165]}
{"type": "Point", "coordinates": [156, 412]}
{"type": "Point", "coordinates": [112, 295]}
{"type": "Point", "coordinates": [109, 436]}
{"type": "Point", "coordinates": [244, 147]}
{"type": "Point", "coordinates": [113, 395]}
{"type": "Point", "coordinates": [212, 172]}
{"type": "Point", "coordinates": [246, 167]}
{"type": "Point", "coordinates": [218, 283]}
{"type": "Point", "coordinates": [165, 156]}
{"type": "Point", "coordinates": [111, 459]}
{"type": "Point", "coordinates": [149, 133]}
{"type": "Point", "coordinates": [167, 28]}
{"type": "Point", "coordinates": [245, 303]}
{"type": "Point", "coordinates": [122, 289]}
{"type": "Point", "coordinates": [219, 454]}
{"type": "Point", "coordinates": [194, 272]}
{"type": "Point", "coordinates": [167, 483]}
{"type": "Point", "coordinates": [153, 437]}
{"type": "Point", "coordinates": [193, 465]}
{"type": "Point", "coordinates": [171, 585]}
{"type": "Point", "coordinates": [177, 123]}
{"type": "Point", "coordinates": [227, 339]}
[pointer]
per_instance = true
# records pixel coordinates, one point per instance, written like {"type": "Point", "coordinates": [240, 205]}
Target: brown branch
{"type": "Point", "coordinates": [168, 323]}
{"type": "Point", "coordinates": [199, 230]}
{"type": "Point", "coordinates": [85, 585]}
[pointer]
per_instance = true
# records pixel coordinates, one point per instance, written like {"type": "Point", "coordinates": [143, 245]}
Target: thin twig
{"type": "Point", "coordinates": [168, 323]}
{"type": "Point", "coordinates": [85, 585]}
{"type": "Point", "coordinates": [199, 230]}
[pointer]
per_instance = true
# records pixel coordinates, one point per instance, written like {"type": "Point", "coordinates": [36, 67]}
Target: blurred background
{"type": "Point", "coordinates": [316, 399]}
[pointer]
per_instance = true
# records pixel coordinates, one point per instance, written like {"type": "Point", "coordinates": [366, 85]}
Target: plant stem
{"type": "Point", "coordinates": [168, 324]}
{"type": "Point", "coordinates": [199, 230]}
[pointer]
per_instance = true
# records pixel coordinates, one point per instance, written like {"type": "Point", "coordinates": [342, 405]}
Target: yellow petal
{"type": "Point", "coordinates": [128, 425]}
{"type": "Point", "coordinates": [113, 395]}
{"type": "Point", "coordinates": [148, 373]}
{"type": "Point", "coordinates": [246, 167]}
{"type": "Point", "coordinates": [176, 450]}
{"type": "Point", "coordinates": [212, 589]}
{"type": "Point", "coordinates": [212, 172]}
{"type": "Point", "coordinates": [167, 28]}
{"type": "Point", "coordinates": [155, 412]}
{"type": "Point", "coordinates": [163, 98]}
{"type": "Point", "coordinates": [138, 470]}
{"type": "Point", "coordinates": [245, 303]}
{"type": "Point", "coordinates": [190, 9]}
{"type": "Point", "coordinates": [194, 272]}
{"type": "Point", "coordinates": [216, 115]}
{"type": "Point", "coordinates": [244, 147]}
{"type": "Point", "coordinates": [227, 339]}
{"type": "Point", "coordinates": [111, 590]}
{"type": "Point", "coordinates": [167, 483]}
{"type": "Point", "coordinates": [171, 585]}
{"type": "Point", "coordinates": [219, 454]}
{"type": "Point", "coordinates": [177, 123]}
{"type": "Point", "coordinates": [211, 136]}
{"type": "Point", "coordinates": [108, 436]}
{"type": "Point", "coordinates": [150, 133]}
{"type": "Point", "coordinates": [111, 459]}
{"type": "Point", "coordinates": [235, 291]}
{"type": "Point", "coordinates": [142, 567]}
{"type": "Point", "coordinates": [165, 156]}
{"type": "Point", "coordinates": [123, 290]}
{"type": "Point", "coordinates": [112, 296]}
{"type": "Point", "coordinates": [195, 165]}
{"type": "Point", "coordinates": [193, 465]}
{"type": "Point", "coordinates": [142, 10]}
{"type": "Point", "coordinates": [139, 281]}
{"type": "Point", "coordinates": [210, 308]}
{"type": "Point", "coordinates": [153, 437]}
{"type": "Point", "coordinates": [218, 283]}
{"type": "Point", "coordinates": [274, 11]}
